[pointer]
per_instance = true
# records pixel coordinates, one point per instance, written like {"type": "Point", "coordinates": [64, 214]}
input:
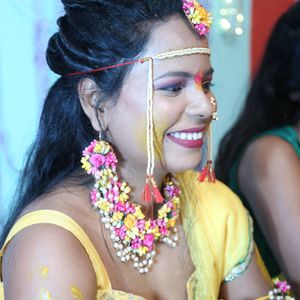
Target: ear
{"type": "Point", "coordinates": [90, 99]}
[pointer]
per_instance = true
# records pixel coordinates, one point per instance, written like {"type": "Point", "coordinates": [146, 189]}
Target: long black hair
{"type": "Point", "coordinates": [92, 34]}
{"type": "Point", "coordinates": [270, 102]}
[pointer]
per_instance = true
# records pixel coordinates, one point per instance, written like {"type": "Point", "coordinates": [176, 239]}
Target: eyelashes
{"type": "Point", "coordinates": [174, 89]}
{"type": "Point", "coordinates": [207, 85]}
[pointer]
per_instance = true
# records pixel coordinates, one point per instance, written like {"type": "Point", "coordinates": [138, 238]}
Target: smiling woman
{"type": "Point", "coordinates": [132, 108]}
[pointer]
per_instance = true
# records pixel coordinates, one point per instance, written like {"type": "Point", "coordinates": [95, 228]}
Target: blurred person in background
{"type": "Point", "coordinates": [259, 157]}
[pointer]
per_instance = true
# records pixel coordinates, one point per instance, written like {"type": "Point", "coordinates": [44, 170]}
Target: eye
{"type": "Point", "coordinates": [206, 85]}
{"type": "Point", "coordinates": [172, 89]}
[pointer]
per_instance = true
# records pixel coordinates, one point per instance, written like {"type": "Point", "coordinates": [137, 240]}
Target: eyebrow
{"type": "Point", "coordinates": [210, 71]}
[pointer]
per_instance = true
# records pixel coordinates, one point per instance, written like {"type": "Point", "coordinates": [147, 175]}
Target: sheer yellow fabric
{"type": "Point", "coordinates": [217, 229]}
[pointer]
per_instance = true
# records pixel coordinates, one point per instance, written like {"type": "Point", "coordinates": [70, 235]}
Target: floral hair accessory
{"type": "Point", "coordinates": [198, 16]}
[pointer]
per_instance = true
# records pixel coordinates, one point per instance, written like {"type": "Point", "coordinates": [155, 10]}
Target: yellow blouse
{"type": "Point", "coordinates": [217, 227]}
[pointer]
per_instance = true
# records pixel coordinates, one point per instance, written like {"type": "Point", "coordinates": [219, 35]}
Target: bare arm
{"type": "Point", "coordinates": [250, 285]}
{"type": "Point", "coordinates": [47, 262]}
{"type": "Point", "coordinates": [269, 176]}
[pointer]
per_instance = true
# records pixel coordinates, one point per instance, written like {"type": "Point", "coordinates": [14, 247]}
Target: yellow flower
{"type": "Point", "coordinates": [163, 211]}
{"type": "Point", "coordinates": [129, 221]}
{"type": "Point", "coordinates": [125, 188]}
{"type": "Point", "coordinates": [117, 216]}
{"type": "Point", "coordinates": [156, 232]}
{"type": "Point", "coordinates": [200, 15]}
{"type": "Point", "coordinates": [104, 206]}
{"type": "Point", "coordinates": [138, 213]}
{"type": "Point", "coordinates": [147, 225]}
{"type": "Point", "coordinates": [85, 164]}
{"type": "Point", "coordinates": [142, 251]}
{"type": "Point", "coordinates": [171, 223]}
{"type": "Point", "coordinates": [123, 197]}
{"type": "Point", "coordinates": [98, 148]}
{"type": "Point", "coordinates": [132, 233]}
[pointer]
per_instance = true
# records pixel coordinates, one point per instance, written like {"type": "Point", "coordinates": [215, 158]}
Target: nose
{"type": "Point", "coordinates": [201, 105]}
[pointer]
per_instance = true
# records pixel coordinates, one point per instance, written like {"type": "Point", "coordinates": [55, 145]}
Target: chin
{"type": "Point", "coordinates": [181, 165]}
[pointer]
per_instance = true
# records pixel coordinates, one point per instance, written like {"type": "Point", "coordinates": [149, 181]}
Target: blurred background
{"type": "Point", "coordinates": [238, 38]}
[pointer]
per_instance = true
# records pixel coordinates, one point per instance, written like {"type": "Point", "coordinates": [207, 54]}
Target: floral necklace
{"type": "Point", "coordinates": [133, 237]}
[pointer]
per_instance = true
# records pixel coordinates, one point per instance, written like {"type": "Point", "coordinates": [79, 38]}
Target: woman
{"type": "Point", "coordinates": [259, 156]}
{"type": "Point", "coordinates": [196, 244]}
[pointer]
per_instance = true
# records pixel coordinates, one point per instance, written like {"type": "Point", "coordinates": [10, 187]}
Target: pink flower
{"type": "Point", "coordinates": [129, 208]}
{"type": "Point", "coordinates": [111, 160]}
{"type": "Point", "coordinates": [119, 207]}
{"type": "Point", "coordinates": [202, 29]}
{"type": "Point", "coordinates": [283, 286]}
{"type": "Point", "coordinates": [160, 222]}
{"type": "Point", "coordinates": [136, 243]}
{"type": "Point", "coordinates": [163, 231]}
{"type": "Point", "coordinates": [97, 160]}
{"type": "Point", "coordinates": [90, 149]}
{"type": "Point", "coordinates": [121, 232]}
{"type": "Point", "coordinates": [94, 196]}
{"type": "Point", "coordinates": [148, 240]}
{"type": "Point", "coordinates": [140, 225]}
{"type": "Point", "coordinates": [153, 224]}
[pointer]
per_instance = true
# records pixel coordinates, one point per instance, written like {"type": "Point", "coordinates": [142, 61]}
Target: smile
{"type": "Point", "coordinates": [190, 138]}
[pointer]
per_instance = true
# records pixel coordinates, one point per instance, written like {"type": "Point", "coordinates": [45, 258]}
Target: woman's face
{"type": "Point", "coordinates": [182, 111]}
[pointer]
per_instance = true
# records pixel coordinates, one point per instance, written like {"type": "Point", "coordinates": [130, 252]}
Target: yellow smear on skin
{"type": "Point", "coordinates": [159, 130]}
{"type": "Point", "coordinates": [141, 136]}
{"type": "Point", "coordinates": [45, 295]}
{"type": "Point", "coordinates": [44, 272]}
{"type": "Point", "coordinates": [76, 293]}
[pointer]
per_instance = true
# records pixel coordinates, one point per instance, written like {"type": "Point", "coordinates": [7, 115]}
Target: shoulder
{"type": "Point", "coordinates": [268, 160]}
{"type": "Point", "coordinates": [47, 258]}
{"type": "Point", "coordinates": [265, 153]}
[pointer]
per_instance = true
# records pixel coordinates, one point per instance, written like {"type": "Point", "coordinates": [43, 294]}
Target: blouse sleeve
{"type": "Point", "coordinates": [238, 240]}
{"type": "Point", "coordinates": [238, 260]}
{"type": "Point", "coordinates": [229, 228]}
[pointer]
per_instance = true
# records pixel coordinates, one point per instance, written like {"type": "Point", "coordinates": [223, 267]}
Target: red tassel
{"type": "Point", "coordinates": [151, 192]}
{"type": "Point", "coordinates": [208, 173]}
{"type": "Point", "coordinates": [157, 195]}
{"type": "Point", "coordinates": [147, 193]}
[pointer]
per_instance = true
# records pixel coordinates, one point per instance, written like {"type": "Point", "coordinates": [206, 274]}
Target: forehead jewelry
{"type": "Point", "coordinates": [151, 191]}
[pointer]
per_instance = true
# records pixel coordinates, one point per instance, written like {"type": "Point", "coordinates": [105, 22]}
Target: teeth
{"type": "Point", "coordinates": [188, 136]}
{"type": "Point", "coordinates": [183, 136]}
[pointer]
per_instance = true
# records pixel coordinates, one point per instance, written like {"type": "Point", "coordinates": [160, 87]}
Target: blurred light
{"type": "Point", "coordinates": [228, 1]}
{"type": "Point", "coordinates": [240, 18]}
{"type": "Point", "coordinates": [233, 11]}
{"type": "Point", "coordinates": [223, 12]}
{"type": "Point", "coordinates": [239, 31]}
{"type": "Point", "coordinates": [225, 24]}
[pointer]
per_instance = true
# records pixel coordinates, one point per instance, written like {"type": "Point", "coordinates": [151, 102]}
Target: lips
{"type": "Point", "coordinates": [189, 138]}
